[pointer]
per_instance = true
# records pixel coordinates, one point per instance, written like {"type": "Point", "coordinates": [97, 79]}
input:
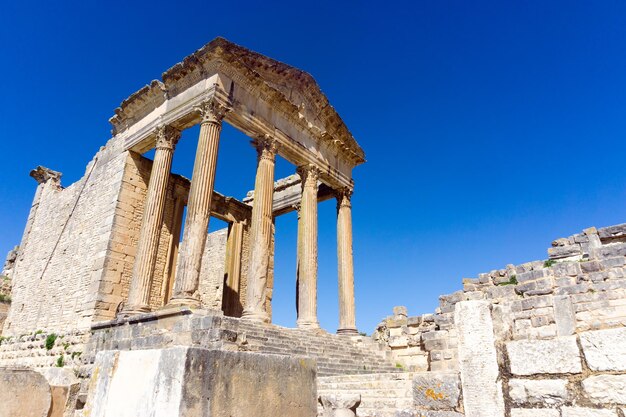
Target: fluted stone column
{"type": "Point", "coordinates": [347, 318]}
{"type": "Point", "coordinates": [307, 249]}
{"type": "Point", "coordinates": [152, 222]}
{"type": "Point", "coordinates": [261, 231]}
{"type": "Point", "coordinates": [199, 207]}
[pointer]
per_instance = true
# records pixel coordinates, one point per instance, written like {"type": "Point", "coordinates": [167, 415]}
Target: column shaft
{"type": "Point", "coordinates": [198, 207]}
{"type": "Point", "coordinates": [347, 315]}
{"type": "Point", "coordinates": [152, 222]}
{"type": "Point", "coordinates": [307, 250]}
{"type": "Point", "coordinates": [261, 232]}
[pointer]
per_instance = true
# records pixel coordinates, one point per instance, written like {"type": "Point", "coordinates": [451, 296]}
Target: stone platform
{"type": "Point", "coordinates": [334, 354]}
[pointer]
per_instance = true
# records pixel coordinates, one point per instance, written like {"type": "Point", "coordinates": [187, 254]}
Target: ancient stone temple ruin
{"type": "Point", "coordinates": [122, 305]}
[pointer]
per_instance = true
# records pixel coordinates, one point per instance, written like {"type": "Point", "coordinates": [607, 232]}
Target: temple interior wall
{"type": "Point", "coordinates": [212, 270]}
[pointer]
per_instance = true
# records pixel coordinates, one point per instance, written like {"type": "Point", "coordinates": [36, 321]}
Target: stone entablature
{"type": "Point", "coordinates": [264, 96]}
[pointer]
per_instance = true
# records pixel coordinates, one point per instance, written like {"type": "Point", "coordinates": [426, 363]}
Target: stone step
{"type": "Point", "coordinates": [334, 354]}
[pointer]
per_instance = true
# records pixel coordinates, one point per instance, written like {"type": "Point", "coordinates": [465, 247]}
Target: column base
{"type": "Point", "coordinates": [183, 301]}
{"type": "Point", "coordinates": [348, 332]}
{"type": "Point", "coordinates": [255, 316]}
{"type": "Point", "coordinates": [134, 310]}
{"type": "Point", "coordinates": [308, 325]}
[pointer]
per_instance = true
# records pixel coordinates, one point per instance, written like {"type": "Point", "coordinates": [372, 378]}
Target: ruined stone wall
{"type": "Point", "coordinates": [63, 256]}
{"type": "Point", "coordinates": [546, 334]}
{"type": "Point", "coordinates": [39, 349]}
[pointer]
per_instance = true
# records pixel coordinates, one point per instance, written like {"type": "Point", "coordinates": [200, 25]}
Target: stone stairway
{"type": "Point", "coordinates": [382, 395]}
{"type": "Point", "coordinates": [335, 355]}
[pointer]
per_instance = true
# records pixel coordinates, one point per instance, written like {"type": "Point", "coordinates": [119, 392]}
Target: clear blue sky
{"type": "Point", "coordinates": [490, 128]}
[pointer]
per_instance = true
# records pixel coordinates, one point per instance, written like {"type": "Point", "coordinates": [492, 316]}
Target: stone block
{"type": "Point", "coordinates": [605, 350]}
{"type": "Point", "coordinates": [556, 356]}
{"type": "Point", "coordinates": [564, 315]}
{"type": "Point", "coordinates": [534, 412]}
{"type": "Point", "coordinates": [64, 387]}
{"type": "Point", "coordinates": [400, 311]}
{"type": "Point", "coordinates": [436, 391]}
{"type": "Point", "coordinates": [586, 412]}
{"type": "Point", "coordinates": [537, 392]}
{"type": "Point", "coordinates": [559, 252]}
{"type": "Point", "coordinates": [398, 341]}
{"type": "Point", "coordinates": [24, 393]}
{"type": "Point", "coordinates": [396, 322]}
{"type": "Point", "coordinates": [477, 359]}
{"type": "Point", "coordinates": [602, 389]}
{"type": "Point", "coordinates": [196, 382]}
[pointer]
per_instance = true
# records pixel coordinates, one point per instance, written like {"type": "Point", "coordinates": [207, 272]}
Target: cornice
{"type": "Point", "coordinates": [251, 70]}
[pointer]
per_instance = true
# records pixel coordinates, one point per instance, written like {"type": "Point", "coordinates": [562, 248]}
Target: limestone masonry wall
{"type": "Point", "coordinates": [63, 255]}
{"type": "Point", "coordinates": [545, 338]}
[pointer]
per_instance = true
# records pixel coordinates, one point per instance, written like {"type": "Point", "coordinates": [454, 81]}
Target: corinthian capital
{"type": "Point", "coordinates": [266, 147]}
{"type": "Point", "coordinates": [167, 137]}
{"type": "Point", "coordinates": [212, 111]}
{"type": "Point", "coordinates": [309, 174]}
{"type": "Point", "coordinates": [344, 197]}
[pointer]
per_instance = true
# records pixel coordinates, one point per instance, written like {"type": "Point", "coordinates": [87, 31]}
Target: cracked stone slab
{"type": "Point", "coordinates": [555, 356]}
{"type": "Point", "coordinates": [606, 389]}
{"type": "Point", "coordinates": [605, 350]}
{"type": "Point", "coordinates": [538, 392]}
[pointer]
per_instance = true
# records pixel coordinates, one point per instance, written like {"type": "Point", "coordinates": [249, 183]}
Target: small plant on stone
{"type": "Point", "coordinates": [60, 362]}
{"type": "Point", "coordinates": [549, 263]}
{"type": "Point", "coordinates": [50, 341]}
{"type": "Point", "coordinates": [75, 354]}
{"type": "Point", "coordinates": [399, 365]}
{"type": "Point", "coordinates": [5, 298]}
{"type": "Point", "coordinates": [66, 346]}
{"type": "Point", "coordinates": [511, 281]}
{"type": "Point", "coordinates": [362, 334]}
{"type": "Point", "coordinates": [38, 332]}
{"type": "Point", "coordinates": [2, 339]}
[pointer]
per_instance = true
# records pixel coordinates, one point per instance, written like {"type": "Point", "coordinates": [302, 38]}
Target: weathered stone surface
{"type": "Point", "coordinates": [340, 405]}
{"type": "Point", "coordinates": [436, 390]}
{"type": "Point", "coordinates": [24, 393]}
{"type": "Point", "coordinates": [564, 315]}
{"type": "Point", "coordinates": [195, 382]}
{"type": "Point", "coordinates": [538, 392]}
{"type": "Point", "coordinates": [556, 356]}
{"type": "Point", "coordinates": [64, 387]}
{"type": "Point", "coordinates": [606, 388]}
{"type": "Point", "coordinates": [400, 311]}
{"type": "Point", "coordinates": [482, 389]}
{"type": "Point", "coordinates": [534, 412]}
{"type": "Point", "coordinates": [586, 412]}
{"type": "Point", "coordinates": [605, 350]}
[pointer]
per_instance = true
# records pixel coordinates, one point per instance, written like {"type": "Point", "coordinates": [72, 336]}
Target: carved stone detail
{"type": "Point", "coordinates": [212, 111]}
{"type": "Point", "coordinates": [42, 175]}
{"type": "Point", "coordinates": [266, 147]}
{"type": "Point", "coordinates": [167, 137]}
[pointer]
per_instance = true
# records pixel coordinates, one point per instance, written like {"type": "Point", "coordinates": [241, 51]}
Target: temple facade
{"type": "Point", "coordinates": [114, 243]}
